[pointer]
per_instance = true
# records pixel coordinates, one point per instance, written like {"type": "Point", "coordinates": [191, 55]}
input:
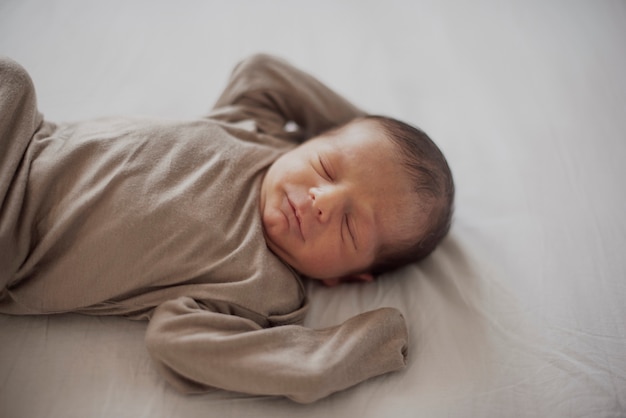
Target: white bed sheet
{"type": "Point", "coordinates": [522, 310]}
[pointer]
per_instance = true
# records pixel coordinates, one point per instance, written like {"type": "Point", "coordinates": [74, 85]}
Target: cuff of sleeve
{"type": "Point", "coordinates": [367, 345]}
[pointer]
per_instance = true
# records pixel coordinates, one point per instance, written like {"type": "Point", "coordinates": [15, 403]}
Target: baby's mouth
{"type": "Point", "coordinates": [295, 214]}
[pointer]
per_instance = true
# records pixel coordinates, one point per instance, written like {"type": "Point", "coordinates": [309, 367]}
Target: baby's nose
{"type": "Point", "coordinates": [325, 202]}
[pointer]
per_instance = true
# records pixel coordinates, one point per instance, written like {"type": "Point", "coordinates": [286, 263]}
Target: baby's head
{"type": "Point", "coordinates": [359, 200]}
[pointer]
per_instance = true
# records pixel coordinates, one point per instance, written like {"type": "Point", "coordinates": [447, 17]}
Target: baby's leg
{"type": "Point", "coordinates": [19, 120]}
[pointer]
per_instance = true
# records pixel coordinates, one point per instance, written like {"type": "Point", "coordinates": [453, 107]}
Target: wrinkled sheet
{"type": "Point", "coordinates": [520, 313]}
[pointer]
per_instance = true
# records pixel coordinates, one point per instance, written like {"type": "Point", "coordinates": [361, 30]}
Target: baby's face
{"type": "Point", "coordinates": [328, 205]}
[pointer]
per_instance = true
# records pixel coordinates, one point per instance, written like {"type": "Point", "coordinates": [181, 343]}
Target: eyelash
{"type": "Point", "coordinates": [348, 227]}
{"type": "Point", "coordinates": [326, 173]}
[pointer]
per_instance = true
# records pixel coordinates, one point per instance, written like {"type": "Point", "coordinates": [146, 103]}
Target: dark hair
{"type": "Point", "coordinates": [432, 181]}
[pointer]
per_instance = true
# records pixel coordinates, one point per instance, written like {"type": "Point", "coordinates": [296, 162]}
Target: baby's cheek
{"type": "Point", "coordinates": [272, 220]}
{"type": "Point", "coordinates": [328, 260]}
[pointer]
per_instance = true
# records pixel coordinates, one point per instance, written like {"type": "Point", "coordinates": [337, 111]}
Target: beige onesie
{"type": "Point", "coordinates": [159, 220]}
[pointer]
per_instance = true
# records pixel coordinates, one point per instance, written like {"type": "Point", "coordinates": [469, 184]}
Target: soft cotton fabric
{"type": "Point", "coordinates": [159, 220]}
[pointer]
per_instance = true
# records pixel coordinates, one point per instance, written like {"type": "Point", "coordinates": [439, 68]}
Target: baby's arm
{"type": "Point", "coordinates": [273, 92]}
{"type": "Point", "coordinates": [198, 350]}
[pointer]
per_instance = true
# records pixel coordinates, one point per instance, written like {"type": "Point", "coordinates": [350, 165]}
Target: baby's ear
{"type": "Point", "coordinates": [362, 277]}
{"type": "Point", "coordinates": [331, 282]}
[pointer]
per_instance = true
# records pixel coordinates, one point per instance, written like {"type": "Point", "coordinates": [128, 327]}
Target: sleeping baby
{"type": "Point", "coordinates": [206, 227]}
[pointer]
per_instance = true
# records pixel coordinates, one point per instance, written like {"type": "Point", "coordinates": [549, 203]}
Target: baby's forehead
{"type": "Point", "coordinates": [362, 150]}
{"type": "Point", "coordinates": [363, 138]}
{"type": "Point", "coordinates": [362, 128]}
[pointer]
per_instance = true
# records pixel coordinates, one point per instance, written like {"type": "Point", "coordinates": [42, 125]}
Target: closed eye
{"type": "Point", "coordinates": [350, 232]}
{"type": "Point", "coordinates": [325, 170]}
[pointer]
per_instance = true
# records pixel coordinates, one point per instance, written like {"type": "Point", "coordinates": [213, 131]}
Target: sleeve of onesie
{"type": "Point", "coordinates": [198, 350]}
{"type": "Point", "coordinates": [273, 93]}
